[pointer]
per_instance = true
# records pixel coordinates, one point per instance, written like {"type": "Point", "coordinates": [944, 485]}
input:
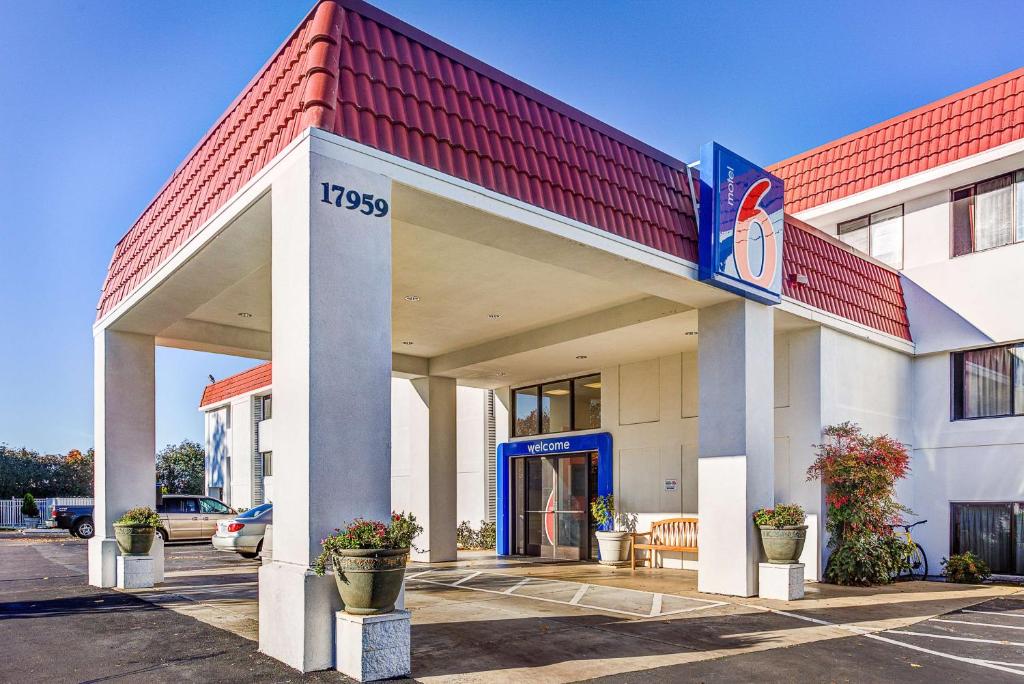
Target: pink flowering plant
{"type": "Point", "coordinates": [398, 533]}
{"type": "Point", "coordinates": [783, 515]}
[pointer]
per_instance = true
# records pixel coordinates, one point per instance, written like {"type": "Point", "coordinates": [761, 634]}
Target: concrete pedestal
{"type": "Point", "coordinates": [373, 647]}
{"type": "Point", "coordinates": [134, 572]}
{"type": "Point", "coordinates": [781, 581]}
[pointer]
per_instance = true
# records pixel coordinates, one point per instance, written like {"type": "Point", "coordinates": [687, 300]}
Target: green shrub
{"type": "Point", "coordinates": [863, 560]}
{"type": "Point", "coordinates": [143, 516]}
{"type": "Point", "coordinates": [29, 508]}
{"type": "Point", "coordinates": [488, 535]}
{"type": "Point", "coordinates": [468, 538]}
{"type": "Point", "coordinates": [965, 568]}
{"type": "Point", "coordinates": [783, 515]}
{"type": "Point", "coordinates": [368, 534]}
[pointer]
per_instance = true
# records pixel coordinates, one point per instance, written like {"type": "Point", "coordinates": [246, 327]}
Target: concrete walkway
{"type": "Point", "coordinates": [485, 619]}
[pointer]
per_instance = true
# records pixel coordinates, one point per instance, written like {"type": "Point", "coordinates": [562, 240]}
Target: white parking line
{"type": "Point", "coordinates": [656, 605]}
{"type": "Point", "coordinates": [950, 637]}
{"type": "Point", "coordinates": [992, 612]}
{"type": "Point", "coordinates": [877, 637]}
{"type": "Point", "coordinates": [579, 594]}
{"type": "Point", "coordinates": [976, 624]}
{"type": "Point", "coordinates": [466, 578]}
{"type": "Point", "coordinates": [520, 583]}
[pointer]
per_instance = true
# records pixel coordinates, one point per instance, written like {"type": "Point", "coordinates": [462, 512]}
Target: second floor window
{"type": "Point", "coordinates": [988, 214]}
{"type": "Point", "coordinates": [268, 407]}
{"type": "Point", "coordinates": [879, 234]}
{"type": "Point", "coordinates": [988, 383]}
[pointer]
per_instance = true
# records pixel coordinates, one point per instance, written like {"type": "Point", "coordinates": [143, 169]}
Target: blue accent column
{"type": "Point", "coordinates": [601, 442]}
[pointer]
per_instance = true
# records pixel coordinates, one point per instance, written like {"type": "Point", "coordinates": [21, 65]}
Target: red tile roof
{"type": "Point", "coordinates": [841, 281]}
{"type": "Point", "coordinates": [969, 122]}
{"type": "Point", "coordinates": [240, 383]}
{"type": "Point", "coordinates": [351, 69]}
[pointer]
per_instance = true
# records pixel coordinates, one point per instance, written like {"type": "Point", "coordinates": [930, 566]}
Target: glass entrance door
{"type": "Point", "coordinates": [552, 505]}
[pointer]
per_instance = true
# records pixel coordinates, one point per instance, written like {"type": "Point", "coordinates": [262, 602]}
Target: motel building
{"type": "Point", "coordinates": [474, 295]}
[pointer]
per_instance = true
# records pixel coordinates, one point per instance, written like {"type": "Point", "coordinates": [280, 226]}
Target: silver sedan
{"type": "Point", "coordinates": [244, 533]}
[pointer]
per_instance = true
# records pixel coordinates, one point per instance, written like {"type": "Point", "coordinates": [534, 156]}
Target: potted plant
{"type": "Point", "coordinates": [783, 532]}
{"type": "Point", "coordinates": [368, 558]}
{"type": "Point", "coordinates": [135, 530]}
{"type": "Point", "coordinates": [30, 511]}
{"type": "Point", "coordinates": [613, 544]}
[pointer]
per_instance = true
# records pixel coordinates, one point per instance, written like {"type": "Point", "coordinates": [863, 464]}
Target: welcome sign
{"type": "Point", "coordinates": [741, 225]}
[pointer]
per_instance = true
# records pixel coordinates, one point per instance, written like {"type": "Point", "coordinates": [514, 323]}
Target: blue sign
{"type": "Point", "coordinates": [601, 442]}
{"type": "Point", "coordinates": [741, 225]}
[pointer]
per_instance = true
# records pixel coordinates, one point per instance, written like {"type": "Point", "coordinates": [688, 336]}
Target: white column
{"type": "Point", "coordinates": [125, 440]}
{"type": "Point", "coordinates": [735, 469]}
{"type": "Point", "coordinates": [433, 468]}
{"type": "Point", "coordinates": [331, 337]}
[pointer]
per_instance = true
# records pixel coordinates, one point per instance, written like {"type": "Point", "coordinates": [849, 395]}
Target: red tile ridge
{"type": "Point", "coordinates": [931, 106]}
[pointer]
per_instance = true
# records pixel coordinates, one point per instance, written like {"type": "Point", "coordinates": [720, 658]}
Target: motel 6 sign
{"type": "Point", "coordinates": [741, 225]}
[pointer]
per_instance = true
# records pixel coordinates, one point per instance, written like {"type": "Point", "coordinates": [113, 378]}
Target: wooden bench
{"type": "Point", "coordinates": [671, 534]}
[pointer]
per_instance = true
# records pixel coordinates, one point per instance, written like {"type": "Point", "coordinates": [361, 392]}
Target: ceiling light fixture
{"type": "Point", "coordinates": [581, 356]}
{"type": "Point", "coordinates": [406, 342]}
{"type": "Point", "coordinates": [692, 332]}
{"type": "Point", "coordinates": [411, 298]}
{"type": "Point", "coordinates": [494, 315]}
{"type": "Point", "coordinates": [244, 314]}
{"type": "Point", "coordinates": [593, 385]}
{"type": "Point", "coordinates": [556, 392]}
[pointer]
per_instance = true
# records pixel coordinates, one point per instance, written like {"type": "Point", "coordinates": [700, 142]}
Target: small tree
{"type": "Point", "coordinates": [29, 508]}
{"type": "Point", "coordinates": [860, 473]}
{"type": "Point", "coordinates": [181, 468]}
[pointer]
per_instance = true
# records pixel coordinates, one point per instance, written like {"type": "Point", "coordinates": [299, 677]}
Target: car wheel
{"type": "Point", "coordinates": [83, 529]}
{"type": "Point", "coordinates": [163, 534]}
{"type": "Point", "coordinates": [248, 554]}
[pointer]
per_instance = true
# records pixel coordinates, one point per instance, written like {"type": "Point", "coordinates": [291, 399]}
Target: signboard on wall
{"type": "Point", "coordinates": [741, 225]}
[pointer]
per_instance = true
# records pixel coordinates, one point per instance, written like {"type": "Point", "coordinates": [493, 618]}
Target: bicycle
{"type": "Point", "coordinates": [916, 567]}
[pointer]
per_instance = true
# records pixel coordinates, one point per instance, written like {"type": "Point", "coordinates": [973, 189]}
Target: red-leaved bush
{"type": "Point", "coordinates": [860, 473]}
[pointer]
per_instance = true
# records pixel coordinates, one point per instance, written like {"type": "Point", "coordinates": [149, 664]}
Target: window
{"type": "Point", "coordinates": [879, 234]}
{"type": "Point", "coordinates": [268, 407]}
{"type": "Point", "coordinates": [994, 531]}
{"type": "Point", "coordinates": [988, 383]}
{"type": "Point", "coordinates": [213, 506]}
{"type": "Point", "coordinates": [268, 464]}
{"type": "Point", "coordinates": [561, 406]}
{"type": "Point", "coordinates": [988, 214]}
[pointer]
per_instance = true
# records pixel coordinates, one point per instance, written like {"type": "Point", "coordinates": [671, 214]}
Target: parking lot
{"type": "Point", "coordinates": [486, 619]}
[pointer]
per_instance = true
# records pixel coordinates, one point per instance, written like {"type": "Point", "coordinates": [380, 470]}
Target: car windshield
{"type": "Point", "coordinates": [256, 512]}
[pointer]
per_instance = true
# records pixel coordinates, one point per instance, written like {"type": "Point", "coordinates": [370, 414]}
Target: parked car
{"type": "Point", "coordinates": [190, 516]}
{"type": "Point", "coordinates": [75, 519]}
{"type": "Point", "coordinates": [244, 533]}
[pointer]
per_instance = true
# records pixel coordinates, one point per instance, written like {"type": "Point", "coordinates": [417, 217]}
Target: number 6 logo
{"type": "Point", "coordinates": [749, 215]}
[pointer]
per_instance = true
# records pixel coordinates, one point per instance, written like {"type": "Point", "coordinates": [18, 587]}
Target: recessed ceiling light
{"type": "Point", "coordinates": [581, 356]}
{"type": "Point", "coordinates": [411, 298]}
{"type": "Point", "coordinates": [244, 314]}
{"type": "Point", "coordinates": [692, 332]}
{"type": "Point", "coordinates": [501, 374]}
{"type": "Point", "coordinates": [494, 315]}
{"type": "Point", "coordinates": [406, 342]}
{"type": "Point", "coordinates": [556, 392]}
{"type": "Point", "coordinates": [593, 385]}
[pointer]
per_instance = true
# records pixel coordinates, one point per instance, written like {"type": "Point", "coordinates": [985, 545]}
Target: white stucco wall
{"type": "Point", "coordinates": [471, 499]}
{"type": "Point", "coordinates": [957, 461]}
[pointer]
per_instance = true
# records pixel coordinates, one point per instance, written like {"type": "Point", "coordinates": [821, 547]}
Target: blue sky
{"type": "Point", "coordinates": [99, 102]}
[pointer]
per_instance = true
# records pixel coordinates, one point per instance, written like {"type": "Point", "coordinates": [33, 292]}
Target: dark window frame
{"type": "Point", "coordinates": [540, 405]}
{"type": "Point", "coordinates": [903, 231]}
{"type": "Point", "coordinates": [956, 394]}
{"type": "Point", "coordinates": [972, 188]}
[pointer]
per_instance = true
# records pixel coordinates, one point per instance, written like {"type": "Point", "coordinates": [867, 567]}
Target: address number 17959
{"type": "Point", "coordinates": [339, 196]}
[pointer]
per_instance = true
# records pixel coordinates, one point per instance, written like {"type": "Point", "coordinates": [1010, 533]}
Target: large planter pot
{"type": "Point", "coordinates": [613, 547]}
{"type": "Point", "coordinates": [134, 540]}
{"type": "Point", "coordinates": [369, 580]}
{"type": "Point", "coordinates": [783, 544]}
